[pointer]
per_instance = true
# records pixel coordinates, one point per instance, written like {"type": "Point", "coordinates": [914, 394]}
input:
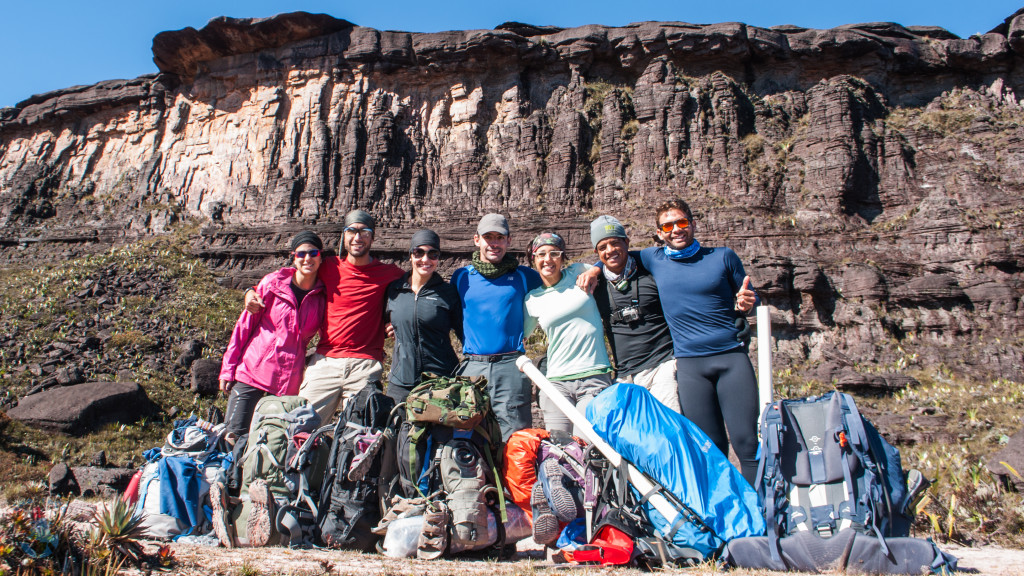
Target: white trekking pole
{"type": "Point", "coordinates": [636, 477]}
{"type": "Point", "coordinates": [764, 360]}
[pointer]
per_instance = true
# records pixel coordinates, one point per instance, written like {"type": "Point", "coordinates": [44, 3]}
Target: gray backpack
{"type": "Point", "coordinates": [464, 479]}
{"type": "Point", "coordinates": [834, 495]}
{"type": "Point", "coordinates": [283, 432]}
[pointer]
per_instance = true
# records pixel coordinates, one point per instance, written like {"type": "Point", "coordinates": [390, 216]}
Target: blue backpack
{"type": "Point", "coordinates": [833, 491]}
{"type": "Point", "coordinates": [824, 467]}
{"type": "Point", "coordinates": [715, 504]}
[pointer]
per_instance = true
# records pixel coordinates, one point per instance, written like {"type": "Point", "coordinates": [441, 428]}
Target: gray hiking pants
{"type": "Point", "coordinates": [579, 393]}
{"type": "Point", "coordinates": [509, 389]}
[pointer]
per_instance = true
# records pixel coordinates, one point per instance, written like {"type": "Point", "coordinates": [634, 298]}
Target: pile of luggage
{"type": "Point", "coordinates": [642, 486]}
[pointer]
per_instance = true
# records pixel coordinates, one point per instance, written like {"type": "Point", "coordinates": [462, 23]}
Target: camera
{"type": "Point", "coordinates": [628, 314]}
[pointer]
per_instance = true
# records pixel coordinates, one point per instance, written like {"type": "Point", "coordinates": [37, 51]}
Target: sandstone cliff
{"type": "Point", "coordinates": [870, 176]}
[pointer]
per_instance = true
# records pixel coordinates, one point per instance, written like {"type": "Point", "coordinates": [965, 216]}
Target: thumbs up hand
{"type": "Point", "coordinates": [745, 298]}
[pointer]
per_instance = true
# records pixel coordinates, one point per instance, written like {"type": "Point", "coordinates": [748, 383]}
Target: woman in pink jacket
{"type": "Point", "coordinates": [267, 351]}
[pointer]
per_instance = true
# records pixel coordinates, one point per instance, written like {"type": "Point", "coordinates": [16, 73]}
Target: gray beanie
{"type": "Point", "coordinates": [360, 217]}
{"type": "Point", "coordinates": [307, 237]}
{"type": "Point", "coordinates": [425, 238]}
{"type": "Point", "coordinates": [606, 227]}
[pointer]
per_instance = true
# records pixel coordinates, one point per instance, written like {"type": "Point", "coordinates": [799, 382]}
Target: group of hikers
{"type": "Point", "coordinates": [673, 316]}
{"type": "Point", "coordinates": [827, 491]}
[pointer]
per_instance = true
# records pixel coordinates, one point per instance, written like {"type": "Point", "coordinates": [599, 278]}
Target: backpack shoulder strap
{"type": "Point", "coordinates": [861, 447]}
{"type": "Point", "coordinates": [769, 473]}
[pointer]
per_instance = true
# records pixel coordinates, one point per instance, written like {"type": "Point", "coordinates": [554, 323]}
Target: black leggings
{"type": "Point", "coordinates": [720, 391]}
{"type": "Point", "coordinates": [242, 402]}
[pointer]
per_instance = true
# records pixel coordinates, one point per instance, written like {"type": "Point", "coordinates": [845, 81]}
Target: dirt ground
{"type": "Point", "coordinates": [204, 560]}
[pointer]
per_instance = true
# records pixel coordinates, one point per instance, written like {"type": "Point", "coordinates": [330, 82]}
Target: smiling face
{"type": "Point", "coordinates": [678, 238]}
{"type": "Point", "coordinates": [307, 265]}
{"type": "Point", "coordinates": [357, 240]}
{"type": "Point", "coordinates": [492, 245]}
{"type": "Point", "coordinates": [612, 253]}
{"type": "Point", "coordinates": [548, 261]}
{"type": "Point", "coordinates": [424, 260]}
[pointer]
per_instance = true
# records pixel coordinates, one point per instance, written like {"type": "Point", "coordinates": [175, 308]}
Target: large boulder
{"type": "Point", "coordinates": [205, 374]}
{"type": "Point", "coordinates": [81, 408]}
{"type": "Point", "coordinates": [1008, 463]}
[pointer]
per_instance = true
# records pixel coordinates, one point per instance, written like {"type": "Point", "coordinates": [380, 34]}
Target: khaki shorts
{"type": "Point", "coordinates": [328, 381]}
{"type": "Point", "coordinates": [661, 382]}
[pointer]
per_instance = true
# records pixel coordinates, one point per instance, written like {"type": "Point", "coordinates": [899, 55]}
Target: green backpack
{"type": "Point", "coordinates": [283, 430]}
{"type": "Point", "coordinates": [459, 402]}
{"type": "Point", "coordinates": [450, 450]}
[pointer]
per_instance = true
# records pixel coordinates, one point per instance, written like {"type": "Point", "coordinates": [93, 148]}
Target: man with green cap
{"type": "Point", "coordinates": [630, 307]}
{"type": "Point", "coordinates": [351, 348]}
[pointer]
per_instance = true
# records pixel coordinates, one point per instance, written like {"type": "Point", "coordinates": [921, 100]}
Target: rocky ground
{"type": "Point", "coordinates": [203, 560]}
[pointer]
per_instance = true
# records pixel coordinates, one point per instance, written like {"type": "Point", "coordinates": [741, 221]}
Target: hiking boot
{"type": "Point", "coordinates": [222, 524]}
{"type": "Point", "coordinates": [433, 540]}
{"type": "Point", "coordinates": [367, 446]}
{"type": "Point", "coordinates": [545, 525]}
{"type": "Point", "coordinates": [400, 508]}
{"type": "Point", "coordinates": [259, 525]}
{"type": "Point", "coordinates": [553, 481]}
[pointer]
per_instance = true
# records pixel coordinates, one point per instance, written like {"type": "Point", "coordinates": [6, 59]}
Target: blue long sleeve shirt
{"type": "Point", "coordinates": [698, 296]}
{"type": "Point", "coordinates": [493, 313]}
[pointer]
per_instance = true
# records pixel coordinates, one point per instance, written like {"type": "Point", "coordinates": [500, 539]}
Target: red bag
{"type": "Point", "coordinates": [520, 465]}
{"type": "Point", "coordinates": [610, 546]}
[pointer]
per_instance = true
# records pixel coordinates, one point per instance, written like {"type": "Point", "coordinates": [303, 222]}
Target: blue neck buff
{"type": "Point", "coordinates": [684, 253]}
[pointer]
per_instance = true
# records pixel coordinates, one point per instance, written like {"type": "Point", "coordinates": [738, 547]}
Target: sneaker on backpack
{"type": "Point", "coordinates": [222, 524]}
{"type": "Point", "coordinates": [545, 524]}
{"type": "Point", "coordinates": [552, 480]}
{"type": "Point", "coordinates": [259, 524]}
{"type": "Point", "coordinates": [367, 445]}
{"type": "Point", "coordinates": [433, 540]}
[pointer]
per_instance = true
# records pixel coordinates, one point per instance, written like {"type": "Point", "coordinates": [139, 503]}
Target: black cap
{"type": "Point", "coordinates": [360, 217]}
{"type": "Point", "coordinates": [425, 238]}
{"type": "Point", "coordinates": [307, 237]}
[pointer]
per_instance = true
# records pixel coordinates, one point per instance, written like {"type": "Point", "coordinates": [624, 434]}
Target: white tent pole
{"type": "Point", "coordinates": [764, 358]}
{"type": "Point", "coordinates": [636, 477]}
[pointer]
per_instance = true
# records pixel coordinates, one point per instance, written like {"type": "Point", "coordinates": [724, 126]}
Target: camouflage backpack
{"type": "Point", "coordinates": [459, 402]}
{"type": "Point", "coordinates": [449, 453]}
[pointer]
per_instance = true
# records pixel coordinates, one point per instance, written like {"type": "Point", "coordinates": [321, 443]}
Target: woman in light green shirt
{"type": "Point", "coordinates": [577, 360]}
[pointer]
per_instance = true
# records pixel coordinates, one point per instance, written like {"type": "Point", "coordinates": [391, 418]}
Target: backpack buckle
{"type": "Point", "coordinates": [824, 530]}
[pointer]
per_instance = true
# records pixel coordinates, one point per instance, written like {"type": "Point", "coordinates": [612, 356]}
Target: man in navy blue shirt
{"type": "Point", "coordinates": [492, 290]}
{"type": "Point", "coordinates": [702, 289]}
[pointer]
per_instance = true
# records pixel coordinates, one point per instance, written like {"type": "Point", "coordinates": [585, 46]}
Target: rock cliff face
{"type": "Point", "coordinates": [870, 176]}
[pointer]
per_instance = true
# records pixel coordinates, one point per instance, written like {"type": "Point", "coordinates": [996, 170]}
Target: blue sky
{"type": "Point", "coordinates": [50, 44]}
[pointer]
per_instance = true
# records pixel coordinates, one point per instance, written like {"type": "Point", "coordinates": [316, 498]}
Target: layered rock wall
{"type": "Point", "coordinates": [870, 175]}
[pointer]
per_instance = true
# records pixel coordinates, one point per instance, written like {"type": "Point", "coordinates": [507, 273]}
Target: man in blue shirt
{"type": "Point", "coordinates": [492, 290]}
{"type": "Point", "coordinates": [702, 290]}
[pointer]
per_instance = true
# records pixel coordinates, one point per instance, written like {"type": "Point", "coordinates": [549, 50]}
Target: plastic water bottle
{"type": "Point", "coordinates": [402, 537]}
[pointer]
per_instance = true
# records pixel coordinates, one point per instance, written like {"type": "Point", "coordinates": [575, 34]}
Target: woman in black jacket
{"type": "Point", "coordinates": [423, 310]}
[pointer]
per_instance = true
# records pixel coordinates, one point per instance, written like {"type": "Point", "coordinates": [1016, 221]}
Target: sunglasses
{"type": "Point", "coordinates": [433, 253]}
{"type": "Point", "coordinates": [359, 231]}
{"type": "Point", "coordinates": [300, 254]}
{"type": "Point", "coordinates": [551, 254]}
{"type": "Point", "coordinates": [667, 227]}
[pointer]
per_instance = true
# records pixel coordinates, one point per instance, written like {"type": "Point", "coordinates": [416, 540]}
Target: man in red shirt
{"type": "Point", "coordinates": [351, 347]}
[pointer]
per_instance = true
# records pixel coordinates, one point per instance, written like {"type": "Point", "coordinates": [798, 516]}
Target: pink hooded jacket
{"type": "Point", "coordinates": [268, 350]}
